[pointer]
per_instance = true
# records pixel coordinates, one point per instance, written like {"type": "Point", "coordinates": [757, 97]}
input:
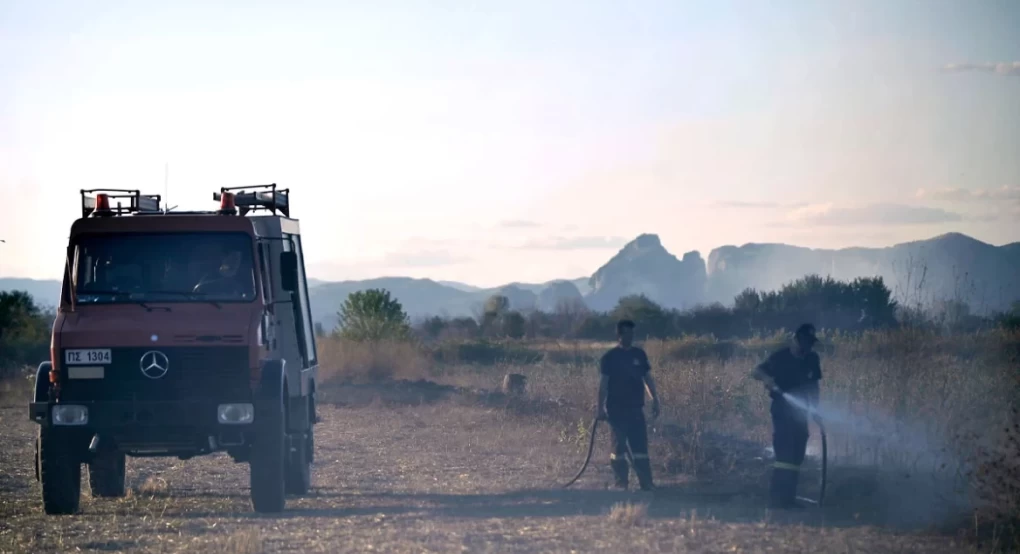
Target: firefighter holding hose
{"type": "Point", "coordinates": [625, 376]}
{"type": "Point", "coordinates": [794, 371]}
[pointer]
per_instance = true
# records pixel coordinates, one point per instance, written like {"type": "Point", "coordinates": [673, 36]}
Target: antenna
{"type": "Point", "coordinates": [166, 187]}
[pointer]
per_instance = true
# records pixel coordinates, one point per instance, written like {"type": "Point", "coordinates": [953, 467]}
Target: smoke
{"type": "Point", "coordinates": [1000, 68]}
{"type": "Point", "coordinates": [906, 475]}
{"type": "Point", "coordinates": [903, 439]}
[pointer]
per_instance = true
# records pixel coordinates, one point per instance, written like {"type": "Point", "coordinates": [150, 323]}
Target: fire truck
{"type": "Point", "coordinates": [179, 334]}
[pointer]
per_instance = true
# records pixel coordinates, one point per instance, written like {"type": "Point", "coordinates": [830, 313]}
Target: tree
{"type": "Point", "coordinates": [512, 324]}
{"type": "Point", "coordinates": [568, 315]}
{"type": "Point", "coordinates": [372, 315]}
{"type": "Point", "coordinates": [24, 331]}
{"type": "Point", "coordinates": [19, 316]}
{"type": "Point", "coordinates": [747, 301]}
{"type": "Point", "coordinates": [432, 327]}
{"type": "Point", "coordinates": [651, 319]}
{"type": "Point", "coordinates": [495, 306]}
{"type": "Point", "coordinates": [875, 301]}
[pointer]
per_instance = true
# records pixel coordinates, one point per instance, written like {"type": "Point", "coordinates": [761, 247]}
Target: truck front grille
{"type": "Point", "coordinates": [194, 373]}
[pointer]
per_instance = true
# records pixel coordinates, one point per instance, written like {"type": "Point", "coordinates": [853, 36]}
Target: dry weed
{"type": "Point", "coordinates": [629, 514]}
{"type": "Point", "coordinates": [154, 486]}
{"type": "Point", "coordinates": [347, 361]}
{"type": "Point", "coordinates": [244, 541]}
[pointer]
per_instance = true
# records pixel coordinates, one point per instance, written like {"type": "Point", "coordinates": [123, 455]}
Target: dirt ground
{"type": "Point", "coordinates": [445, 476]}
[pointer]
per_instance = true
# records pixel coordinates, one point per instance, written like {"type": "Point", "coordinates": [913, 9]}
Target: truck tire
{"type": "Point", "coordinates": [299, 471]}
{"type": "Point", "coordinates": [60, 473]}
{"type": "Point", "coordinates": [108, 475]}
{"type": "Point", "coordinates": [268, 461]}
{"type": "Point", "coordinates": [310, 444]}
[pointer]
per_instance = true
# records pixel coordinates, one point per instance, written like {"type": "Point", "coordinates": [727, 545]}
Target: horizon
{"type": "Point", "coordinates": [519, 143]}
{"type": "Point", "coordinates": [583, 276]}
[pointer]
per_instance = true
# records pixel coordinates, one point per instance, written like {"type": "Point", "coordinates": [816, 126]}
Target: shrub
{"type": "Point", "coordinates": [24, 333]}
{"type": "Point", "coordinates": [372, 315]}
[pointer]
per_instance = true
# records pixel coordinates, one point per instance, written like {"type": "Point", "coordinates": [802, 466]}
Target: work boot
{"type": "Point", "coordinates": [620, 471]}
{"type": "Point", "coordinates": [643, 468]}
{"type": "Point", "coordinates": [791, 493]}
{"type": "Point", "coordinates": [783, 488]}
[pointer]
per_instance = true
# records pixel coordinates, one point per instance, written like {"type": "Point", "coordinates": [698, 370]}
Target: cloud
{"type": "Point", "coordinates": [872, 214]}
{"type": "Point", "coordinates": [422, 258]}
{"type": "Point", "coordinates": [575, 243]}
{"type": "Point", "coordinates": [740, 204]}
{"type": "Point", "coordinates": [970, 195]}
{"type": "Point", "coordinates": [519, 224]}
{"type": "Point", "coordinates": [757, 205]}
{"type": "Point", "coordinates": [1000, 68]}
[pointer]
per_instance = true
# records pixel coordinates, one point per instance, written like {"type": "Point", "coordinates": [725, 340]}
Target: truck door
{"type": "Point", "coordinates": [301, 307]}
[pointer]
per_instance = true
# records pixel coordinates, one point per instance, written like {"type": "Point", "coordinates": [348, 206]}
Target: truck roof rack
{"type": "Point", "coordinates": [100, 204]}
{"type": "Point", "coordinates": [242, 200]}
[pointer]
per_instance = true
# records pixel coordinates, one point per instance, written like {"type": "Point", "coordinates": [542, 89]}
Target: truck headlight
{"type": "Point", "coordinates": [235, 414]}
{"type": "Point", "coordinates": [70, 414]}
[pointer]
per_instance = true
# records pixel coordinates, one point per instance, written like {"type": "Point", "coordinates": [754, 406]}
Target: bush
{"type": "Point", "coordinates": [24, 333]}
{"type": "Point", "coordinates": [372, 315]}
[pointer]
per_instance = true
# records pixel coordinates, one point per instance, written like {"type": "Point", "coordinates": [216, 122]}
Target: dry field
{"type": "Point", "coordinates": [415, 466]}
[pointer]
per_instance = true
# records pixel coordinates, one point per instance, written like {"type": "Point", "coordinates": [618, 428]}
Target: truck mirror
{"type": "Point", "coordinates": [288, 271]}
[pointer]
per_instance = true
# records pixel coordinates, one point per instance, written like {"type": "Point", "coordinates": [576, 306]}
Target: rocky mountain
{"type": "Point", "coordinates": [951, 266]}
{"type": "Point", "coordinates": [947, 267]}
{"type": "Point", "coordinates": [557, 293]}
{"type": "Point", "coordinates": [644, 266]}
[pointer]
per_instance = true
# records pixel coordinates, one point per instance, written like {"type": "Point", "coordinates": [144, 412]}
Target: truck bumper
{"type": "Point", "coordinates": [154, 428]}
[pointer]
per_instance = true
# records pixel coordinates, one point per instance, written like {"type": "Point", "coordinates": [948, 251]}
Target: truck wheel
{"type": "Point", "coordinates": [310, 444]}
{"type": "Point", "coordinates": [299, 471]}
{"type": "Point", "coordinates": [313, 419]}
{"type": "Point", "coordinates": [60, 473]}
{"type": "Point", "coordinates": [269, 458]}
{"type": "Point", "coordinates": [107, 475]}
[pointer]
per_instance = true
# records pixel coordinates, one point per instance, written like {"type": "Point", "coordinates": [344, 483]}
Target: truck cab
{"type": "Point", "coordinates": [179, 334]}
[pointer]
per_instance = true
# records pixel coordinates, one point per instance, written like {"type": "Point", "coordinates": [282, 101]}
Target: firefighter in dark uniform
{"type": "Point", "coordinates": [794, 370]}
{"type": "Point", "coordinates": [625, 376]}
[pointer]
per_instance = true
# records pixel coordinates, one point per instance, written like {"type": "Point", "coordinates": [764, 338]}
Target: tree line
{"type": "Point", "coordinates": [864, 303]}
{"type": "Point", "coordinates": [861, 304]}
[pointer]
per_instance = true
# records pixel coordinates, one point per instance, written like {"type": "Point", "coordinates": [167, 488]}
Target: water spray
{"type": "Point", "coordinates": [825, 447]}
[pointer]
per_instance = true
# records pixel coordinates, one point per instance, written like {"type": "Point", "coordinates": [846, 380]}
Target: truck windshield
{"type": "Point", "coordinates": [164, 267]}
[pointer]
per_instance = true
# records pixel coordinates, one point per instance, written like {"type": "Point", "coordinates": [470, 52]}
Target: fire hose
{"type": "Point", "coordinates": [823, 477]}
{"type": "Point", "coordinates": [591, 448]}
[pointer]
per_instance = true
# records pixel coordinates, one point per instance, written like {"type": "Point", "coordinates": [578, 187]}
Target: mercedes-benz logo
{"type": "Point", "coordinates": [154, 364]}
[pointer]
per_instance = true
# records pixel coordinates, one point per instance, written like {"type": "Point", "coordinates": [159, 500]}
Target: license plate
{"type": "Point", "coordinates": [87, 356]}
{"type": "Point", "coordinates": [86, 372]}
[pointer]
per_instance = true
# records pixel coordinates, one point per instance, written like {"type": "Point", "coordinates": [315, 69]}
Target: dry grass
{"type": "Point", "coordinates": [17, 391]}
{"type": "Point", "coordinates": [629, 514]}
{"type": "Point", "coordinates": [245, 541]}
{"type": "Point", "coordinates": [418, 467]}
{"type": "Point", "coordinates": [153, 486]}
{"type": "Point", "coordinates": [914, 404]}
{"type": "Point", "coordinates": [345, 361]}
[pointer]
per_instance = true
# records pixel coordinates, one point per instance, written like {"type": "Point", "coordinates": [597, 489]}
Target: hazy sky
{"type": "Point", "coordinates": [518, 141]}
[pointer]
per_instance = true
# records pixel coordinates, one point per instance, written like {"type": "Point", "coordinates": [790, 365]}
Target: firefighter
{"type": "Point", "coordinates": [625, 377]}
{"type": "Point", "coordinates": [794, 370]}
